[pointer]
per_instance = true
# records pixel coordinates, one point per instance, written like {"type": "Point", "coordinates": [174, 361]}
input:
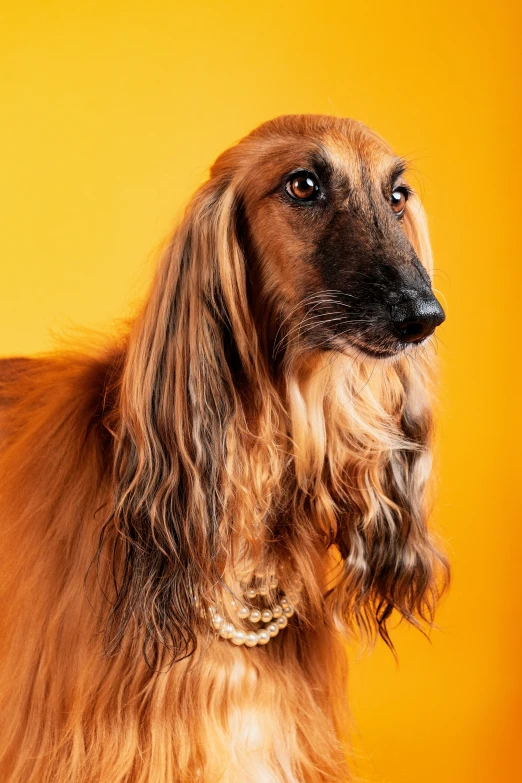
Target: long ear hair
{"type": "Point", "coordinates": [178, 418]}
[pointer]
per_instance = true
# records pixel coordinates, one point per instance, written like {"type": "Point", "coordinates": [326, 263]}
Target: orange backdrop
{"type": "Point", "coordinates": [113, 112]}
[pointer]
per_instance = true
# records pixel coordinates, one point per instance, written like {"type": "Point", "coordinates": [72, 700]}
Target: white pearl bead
{"type": "Point", "coordinates": [263, 590]}
{"type": "Point", "coordinates": [255, 615]}
{"type": "Point", "coordinates": [239, 636]}
{"type": "Point", "coordinates": [288, 610]}
{"type": "Point", "coordinates": [282, 622]}
{"type": "Point", "coordinates": [227, 631]}
{"type": "Point", "coordinates": [251, 639]}
{"type": "Point", "coordinates": [272, 628]}
{"type": "Point", "coordinates": [266, 615]}
{"type": "Point", "coordinates": [284, 601]}
{"type": "Point", "coordinates": [232, 602]}
{"type": "Point", "coordinates": [263, 636]}
{"type": "Point", "coordinates": [251, 593]}
{"type": "Point", "coordinates": [217, 621]}
{"type": "Point", "coordinates": [277, 611]}
{"type": "Point", "coordinates": [243, 613]}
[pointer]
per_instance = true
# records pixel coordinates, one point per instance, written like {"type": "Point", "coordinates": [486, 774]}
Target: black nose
{"type": "Point", "coordinates": [416, 317]}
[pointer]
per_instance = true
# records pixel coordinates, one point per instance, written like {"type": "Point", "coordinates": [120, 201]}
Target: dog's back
{"type": "Point", "coordinates": [53, 455]}
{"type": "Point", "coordinates": [13, 371]}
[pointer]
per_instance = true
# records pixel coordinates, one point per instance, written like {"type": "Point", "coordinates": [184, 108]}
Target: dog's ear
{"type": "Point", "coordinates": [177, 400]}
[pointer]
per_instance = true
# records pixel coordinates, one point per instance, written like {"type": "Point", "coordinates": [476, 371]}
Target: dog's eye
{"type": "Point", "coordinates": [303, 186]}
{"type": "Point", "coordinates": [398, 200]}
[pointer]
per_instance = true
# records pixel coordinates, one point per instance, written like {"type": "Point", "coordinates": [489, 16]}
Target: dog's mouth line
{"type": "Point", "coordinates": [378, 353]}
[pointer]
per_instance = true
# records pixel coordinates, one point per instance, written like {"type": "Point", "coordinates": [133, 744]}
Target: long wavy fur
{"type": "Point", "coordinates": [145, 479]}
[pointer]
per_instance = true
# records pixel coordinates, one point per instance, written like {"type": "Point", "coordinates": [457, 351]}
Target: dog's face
{"type": "Point", "coordinates": [327, 218]}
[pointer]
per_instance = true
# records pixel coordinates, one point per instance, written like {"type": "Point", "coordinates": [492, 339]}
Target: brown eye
{"type": "Point", "coordinates": [398, 200]}
{"type": "Point", "coordinates": [303, 187]}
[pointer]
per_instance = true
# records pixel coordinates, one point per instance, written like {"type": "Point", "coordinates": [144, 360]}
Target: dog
{"type": "Point", "coordinates": [197, 512]}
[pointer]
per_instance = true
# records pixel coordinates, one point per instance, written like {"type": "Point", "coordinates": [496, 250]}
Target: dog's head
{"type": "Point", "coordinates": [335, 238]}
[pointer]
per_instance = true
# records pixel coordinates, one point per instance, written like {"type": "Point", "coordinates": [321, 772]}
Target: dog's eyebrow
{"type": "Point", "coordinates": [318, 162]}
{"type": "Point", "coordinates": [321, 164]}
{"type": "Point", "coordinates": [399, 168]}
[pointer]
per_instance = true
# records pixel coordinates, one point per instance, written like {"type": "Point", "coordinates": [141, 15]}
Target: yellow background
{"type": "Point", "coordinates": [111, 114]}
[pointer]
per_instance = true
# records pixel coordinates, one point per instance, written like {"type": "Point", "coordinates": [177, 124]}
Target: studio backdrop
{"type": "Point", "coordinates": [112, 113]}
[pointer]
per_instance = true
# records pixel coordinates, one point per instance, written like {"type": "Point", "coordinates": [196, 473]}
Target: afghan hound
{"type": "Point", "coordinates": [196, 513]}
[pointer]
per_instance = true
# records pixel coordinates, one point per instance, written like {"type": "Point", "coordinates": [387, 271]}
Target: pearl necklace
{"type": "Point", "coordinates": [275, 618]}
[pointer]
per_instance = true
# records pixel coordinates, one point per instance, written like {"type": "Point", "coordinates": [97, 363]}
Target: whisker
{"type": "Point", "coordinates": [436, 290]}
{"type": "Point", "coordinates": [297, 326]}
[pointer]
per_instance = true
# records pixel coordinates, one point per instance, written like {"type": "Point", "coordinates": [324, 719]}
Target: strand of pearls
{"type": "Point", "coordinates": [275, 619]}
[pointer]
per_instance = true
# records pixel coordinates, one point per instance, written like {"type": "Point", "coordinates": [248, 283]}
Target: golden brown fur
{"type": "Point", "coordinates": [183, 459]}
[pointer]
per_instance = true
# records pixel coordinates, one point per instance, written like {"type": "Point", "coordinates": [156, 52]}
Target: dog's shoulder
{"type": "Point", "coordinates": [18, 379]}
{"type": "Point", "coordinates": [15, 372]}
{"type": "Point", "coordinates": [72, 388]}
{"type": "Point", "coordinates": [14, 367]}
{"type": "Point", "coordinates": [11, 366]}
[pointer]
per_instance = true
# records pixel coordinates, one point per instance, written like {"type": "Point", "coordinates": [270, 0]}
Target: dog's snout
{"type": "Point", "coordinates": [416, 317]}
